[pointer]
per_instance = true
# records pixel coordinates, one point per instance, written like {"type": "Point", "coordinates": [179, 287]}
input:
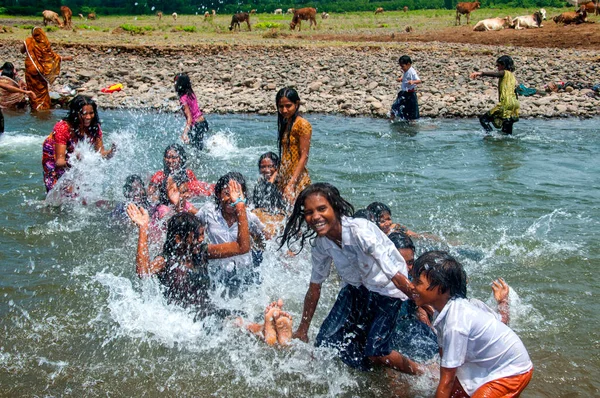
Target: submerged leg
{"type": "Point", "coordinates": [485, 121]}
{"type": "Point", "coordinates": [507, 126]}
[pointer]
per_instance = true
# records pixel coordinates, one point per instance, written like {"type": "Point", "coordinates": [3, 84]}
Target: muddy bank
{"type": "Point", "coordinates": [351, 81]}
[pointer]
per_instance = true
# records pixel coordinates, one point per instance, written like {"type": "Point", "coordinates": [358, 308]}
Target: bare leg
{"type": "Point", "coordinates": [283, 324]}
{"type": "Point", "coordinates": [397, 361]}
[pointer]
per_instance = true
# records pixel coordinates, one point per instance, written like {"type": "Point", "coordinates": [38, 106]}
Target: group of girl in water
{"type": "Point", "coordinates": [392, 310]}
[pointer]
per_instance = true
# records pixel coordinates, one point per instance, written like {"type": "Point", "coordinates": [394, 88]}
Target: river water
{"type": "Point", "coordinates": [76, 321]}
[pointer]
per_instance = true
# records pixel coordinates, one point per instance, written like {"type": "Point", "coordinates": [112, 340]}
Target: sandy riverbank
{"type": "Point", "coordinates": [359, 80]}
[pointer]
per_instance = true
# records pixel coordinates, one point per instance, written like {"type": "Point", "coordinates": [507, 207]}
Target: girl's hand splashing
{"type": "Point", "coordinates": [235, 192]}
{"type": "Point", "coordinates": [138, 215]}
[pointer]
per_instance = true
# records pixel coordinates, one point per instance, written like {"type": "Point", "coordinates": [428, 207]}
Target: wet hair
{"type": "Point", "coordinates": [507, 62]}
{"type": "Point", "coordinates": [129, 181]}
{"type": "Point", "coordinates": [293, 228]}
{"type": "Point", "coordinates": [404, 60]}
{"type": "Point", "coordinates": [269, 155]}
{"type": "Point", "coordinates": [442, 271]}
{"type": "Point", "coordinates": [224, 183]}
{"type": "Point", "coordinates": [378, 208]}
{"type": "Point", "coordinates": [182, 225]}
{"type": "Point", "coordinates": [73, 116]}
{"type": "Point", "coordinates": [163, 192]}
{"type": "Point", "coordinates": [8, 70]}
{"type": "Point", "coordinates": [366, 214]}
{"type": "Point", "coordinates": [182, 157]}
{"type": "Point", "coordinates": [401, 241]}
{"type": "Point", "coordinates": [284, 127]}
{"type": "Point", "coordinates": [183, 85]}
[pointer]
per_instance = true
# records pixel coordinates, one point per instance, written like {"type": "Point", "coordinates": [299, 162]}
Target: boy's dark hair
{"type": "Point", "coordinates": [401, 241]}
{"type": "Point", "coordinates": [378, 208]}
{"type": "Point", "coordinates": [507, 62]}
{"type": "Point", "coordinates": [269, 155]}
{"type": "Point", "coordinates": [366, 214]}
{"type": "Point", "coordinates": [442, 271]}
{"type": "Point", "coordinates": [404, 60]}
{"type": "Point", "coordinates": [293, 228]}
{"type": "Point", "coordinates": [224, 183]}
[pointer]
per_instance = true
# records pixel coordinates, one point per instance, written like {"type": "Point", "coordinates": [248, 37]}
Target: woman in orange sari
{"type": "Point", "coordinates": [42, 66]}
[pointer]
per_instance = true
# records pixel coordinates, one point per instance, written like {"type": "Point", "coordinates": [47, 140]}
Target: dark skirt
{"type": "Point", "coordinates": [412, 338]}
{"type": "Point", "coordinates": [197, 134]}
{"type": "Point", "coordinates": [360, 325]}
{"type": "Point", "coordinates": [406, 106]}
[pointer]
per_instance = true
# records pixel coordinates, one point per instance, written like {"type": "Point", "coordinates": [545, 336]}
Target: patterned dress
{"type": "Point", "coordinates": [290, 156]}
{"type": "Point", "coordinates": [508, 107]}
{"type": "Point", "coordinates": [62, 134]}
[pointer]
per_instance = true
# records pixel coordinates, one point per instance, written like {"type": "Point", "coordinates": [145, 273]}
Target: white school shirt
{"type": "Point", "coordinates": [217, 231]}
{"type": "Point", "coordinates": [410, 74]}
{"type": "Point", "coordinates": [367, 257]}
{"type": "Point", "coordinates": [478, 344]}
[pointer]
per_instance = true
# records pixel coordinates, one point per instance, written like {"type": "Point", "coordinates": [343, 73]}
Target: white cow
{"type": "Point", "coordinates": [174, 16]}
{"type": "Point", "coordinates": [278, 11]}
{"type": "Point", "coordinates": [530, 21]}
{"type": "Point", "coordinates": [493, 24]}
{"type": "Point", "coordinates": [324, 15]}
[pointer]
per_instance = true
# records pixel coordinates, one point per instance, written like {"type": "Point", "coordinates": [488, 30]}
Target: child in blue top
{"type": "Point", "coordinates": [406, 106]}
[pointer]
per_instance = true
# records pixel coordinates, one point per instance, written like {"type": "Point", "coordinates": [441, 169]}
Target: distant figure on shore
{"type": "Point", "coordinates": [293, 140]}
{"type": "Point", "coordinates": [196, 125]}
{"type": "Point", "coordinates": [81, 123]}
{"type": "Point", "coordinates": [406, 106]}
{"type": "Point", "coordinates": [42, 67]}
{"type": "Point", "coordinates": [506, 112]}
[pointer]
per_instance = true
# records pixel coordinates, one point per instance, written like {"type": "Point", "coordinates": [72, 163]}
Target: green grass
{"type": "Point", "coordinates": [267, 25]}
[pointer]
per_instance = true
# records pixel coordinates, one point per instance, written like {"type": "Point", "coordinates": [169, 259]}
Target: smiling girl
{"type": "Point", "coordinates": [374, 275]}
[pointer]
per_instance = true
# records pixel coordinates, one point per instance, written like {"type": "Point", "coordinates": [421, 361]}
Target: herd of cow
{"type": "Point", "coordinates": [309, 14]}
{"type": "Point", "coordinates": [526, 21]}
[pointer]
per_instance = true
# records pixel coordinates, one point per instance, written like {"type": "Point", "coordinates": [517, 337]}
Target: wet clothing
{"type": "Point", "coordinates": [197, 134]}
{"type": "Point", "coordinates": [196, 187]}
{"type": "Point", "coordinates": [506, 112]}
{"type": "Point", "coordinates": [199, 124]}
{"type": "Point", "coordinates": [506, 387]}
{"type": "Point", "coordinates": [413, 338]}
{"type": "Point", "coordinates": [268, 197]}
{"type": "Point", "coordinates": [290, 156]}
{"type": "Point", "coordinates": [42, 66]}
{"type": "Point", "coordinates": [62, 134]}
{"type": "Point", "coordinates": [406, 105]}
{"type": "Point", "coordinates": [10, 100]}
{"type": "Point", "coordinates": [360, 325]}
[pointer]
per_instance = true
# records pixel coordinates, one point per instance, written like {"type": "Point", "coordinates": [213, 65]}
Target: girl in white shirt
{"type": "Point", "coordinates": [480, 355]}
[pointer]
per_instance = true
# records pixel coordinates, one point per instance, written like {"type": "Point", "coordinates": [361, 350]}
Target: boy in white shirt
{"type": "Point", "coordinates": [406, 106]}
{"type": "Point", "coordinates": [480, 356]}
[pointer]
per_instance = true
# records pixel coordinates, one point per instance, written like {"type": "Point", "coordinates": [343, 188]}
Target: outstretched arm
{"type": "Point", "coordinates": [310, 305]}
{"type": "Point", "coordinates": [475, 75]}
{"type": "Point", "coordinates": [106, 153]}
{"type": "Point", "coordinates": [12, 89]}
{"type": "Point", "coordinates": [144, 267]}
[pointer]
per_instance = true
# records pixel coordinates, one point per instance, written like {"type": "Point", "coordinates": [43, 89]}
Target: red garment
{"type": "Point", "coordinates": [196, 187]}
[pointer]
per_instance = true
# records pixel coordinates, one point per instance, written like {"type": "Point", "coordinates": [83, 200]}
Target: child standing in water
{"type": "Point", "coordinates": [406, 106]}
{"type": "Point", "coordinates": [480, 355]}
{"type": "Point", "coordinates": [196, 125]}
{"type": "Point", "coordinates": [506, 112]}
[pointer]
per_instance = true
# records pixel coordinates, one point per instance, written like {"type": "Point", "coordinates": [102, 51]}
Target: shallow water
{"type": "Point", "coordinates": [77, 321]}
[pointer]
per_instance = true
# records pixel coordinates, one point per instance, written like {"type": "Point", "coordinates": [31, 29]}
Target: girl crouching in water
{"type": "Point", "coordinates": [182, 267]}
{"type": "Point", "coordinates": [506, 112]}
{"type": "Point", "coordinates": [196, 125]}
{"type": "Point", "coordinates": [361, 323]}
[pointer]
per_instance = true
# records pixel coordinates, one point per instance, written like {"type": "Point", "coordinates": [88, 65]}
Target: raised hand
{"type": "Point", "coordinates": [138, 215]}
{"type": "Point", "coordinates": [500, 289]}
{"type": "Point", "coordinates": [235, 191]}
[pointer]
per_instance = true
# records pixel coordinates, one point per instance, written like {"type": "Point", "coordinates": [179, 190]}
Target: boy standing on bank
{"type": "Point", "coordinates": [406, 106]}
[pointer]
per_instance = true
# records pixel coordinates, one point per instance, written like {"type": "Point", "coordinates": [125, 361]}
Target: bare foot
{"type": "Point", "coordinates": [269, 330]}
{"type": "Point", "coordinates": [283, 324]}
{"type": "Point", "coordinates": [275, 304]}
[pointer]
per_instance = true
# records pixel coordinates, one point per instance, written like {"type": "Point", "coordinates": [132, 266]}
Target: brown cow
{"type": "Point", "coordinates": [591, 8]}
{"type": "Point", "coordinates": [466, 8]}
{"type": "Point", "coordinates": [92, 15]}
{"type": "Point", "coordinates": [67, 14]}
{"type": "Point", "coordinates": [238, 18]}
{"type": "Point", "coordinates": [567, 18]}
{"type": "Point", "coordinates": [405, 9]}
{"type": "Point", "coordinates": [159, 15]}
{"type": "Point", "coordinates": [304, 14]}
{"type": "Point", "coordinates": [379, 10]}
{"type": "Point", "coordinates": [51, 16]}
{"type": "Point", "coordinates": [252, 12]}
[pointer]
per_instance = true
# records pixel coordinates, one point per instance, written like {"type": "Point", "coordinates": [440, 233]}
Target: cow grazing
{"type": "Point", "coordinates": [290, 10]}
{"type": "Point", "coordinates": [324, 15]}
{"type": "Point", "coordinates": [466, 9]}
{"type": "Point", "coordinates": [493, 24]}
{"type": "Point", "coordinates": [252, 12]}
{"type": "Point", "coordinates": [278, 11]}
{"type": "Point", "coordinates": [591, 8]}
{"type": "Point", "coordinates": [81, 16]}
{"type": "Point", "coordinates": [379, 10]}
{"type": "Point", "coordinates": [159, 15]}
{"type": "Point", "coordinates": [67, 14]}
{"type": "Point", "coordinates": [91, 16]}
{"type": "Point", "coordinates": [530, 21]}
{"type": "Point", "coordinates": [206, 16]}
{"type": "Point", "coordinates": [571, 17]}
{"type": "Point", "coordinates": [304, 14]}
{"type": "Point", "coordinates": [405, 9]}
{"type": "Point", "coordinates": [174, 15]}
{"type": "Point", "coordinates": [51, 16]}
{"type": "Point", "coordinates": [238, 18]}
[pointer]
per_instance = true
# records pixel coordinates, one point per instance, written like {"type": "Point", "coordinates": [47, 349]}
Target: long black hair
{"type": "Point", "coordinates": [507, 62]}
{"type": "Point", "coordinates": [182, 157]}
{"type": "Point", "coordinates": [293, 230]}
{"type": "Point", "coordinates": [73, 117]}
{"type": "Point", "coordinates": [182, 225]}
{"type": "Point", "coordinates": [378, 209]}
{"type": "Point", "coordinates": [443, 271]}
{"type": "Point", "coordinates": [183, 85]}
{"type": "Point", "coordinates": [8, 70]}
{"type": "Point", "coordinates": [224, 183]}
{"type": "Point", "coordinates": [269, 155]}
{"type": "Point", "coordinates": [284, 127]}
